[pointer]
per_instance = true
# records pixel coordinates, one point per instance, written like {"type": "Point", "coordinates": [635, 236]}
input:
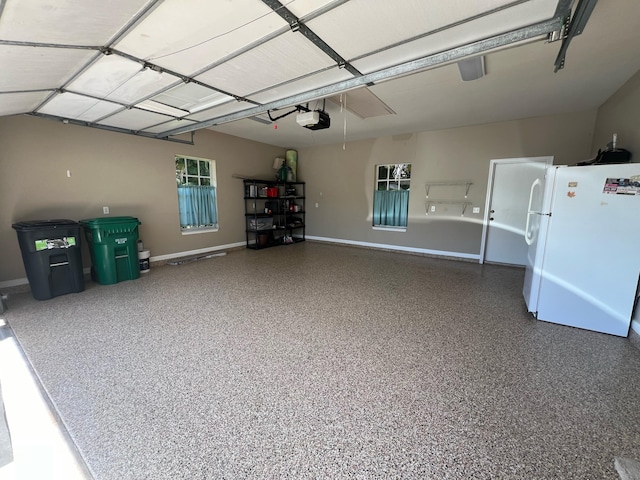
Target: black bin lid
{"type": "Point", "coordinates": [44, 224]}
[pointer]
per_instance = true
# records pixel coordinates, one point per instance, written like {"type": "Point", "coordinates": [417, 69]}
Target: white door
{"type": "Point", "coordinates": [506, 208]}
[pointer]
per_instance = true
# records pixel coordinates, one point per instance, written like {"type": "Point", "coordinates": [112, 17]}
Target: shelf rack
{"type": "Point", "coordinates": [269, 220]}
{"type": "Point", "coordinates": [451, 183]}
{"type": "Point", "coordinates": [464, 205]}
{"type": "Point", "coordinates": [448, 183]}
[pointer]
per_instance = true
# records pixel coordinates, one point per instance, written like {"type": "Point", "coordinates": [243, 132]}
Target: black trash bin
{"type": "Point", "coordinates": [52, 256]}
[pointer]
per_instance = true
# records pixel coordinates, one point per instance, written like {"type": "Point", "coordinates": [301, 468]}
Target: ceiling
{"type": "Point", "coordinates": [166, 68]}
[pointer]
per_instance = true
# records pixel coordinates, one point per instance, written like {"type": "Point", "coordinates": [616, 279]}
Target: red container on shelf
{"type": "Point", "coordinates": [272, 192]}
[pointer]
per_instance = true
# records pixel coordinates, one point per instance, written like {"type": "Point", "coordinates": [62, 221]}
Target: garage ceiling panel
{"type": "Point", "coordinates": [192, 97]}
{"type": "Point", "coordinates": [285, 57]}
{"type": "Point", "coordinates": [359, 27]}
{"type": "Point", "coordinates": [165, 127]}
{"type": "Point", "coordinates": [24, 102]}
{"type": "Point", "coordinates": [29, 68]}
{"type": "Point", "coordinates": [69, 22]}
{"type": "Point", "coordinates": [207, 59]}
{"type": "Point", "coordinates": [221, 110]}
{"type": "Point", "coordinates": [78, 107]}
{"type": "Point", "coordinates": [516, 17]}
{"type": "Point", "coordinates": [188, 35]}
{"type": "Point", "coordinates": [327, 77]}
{"type": "Point", "coordinates": [134, 119]}
{"type": "Point", "coordinates": [105, 76]}
{"type": "Point", "coordinates": [121, 80]}
{"type": "Point", "coordinates": [302, 8]}
{"type": "Point", "coordinates": [143, 84]}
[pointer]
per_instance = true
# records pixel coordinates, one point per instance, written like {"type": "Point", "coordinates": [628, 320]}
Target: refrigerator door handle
{"type": "Point", "coordinates": [528, 235]}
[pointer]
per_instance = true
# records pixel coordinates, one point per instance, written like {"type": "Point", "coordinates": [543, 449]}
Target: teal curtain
{"type": "Point", "coordinates": [390, 208]}
{"type": "Point", "coordinates": [197, 204]}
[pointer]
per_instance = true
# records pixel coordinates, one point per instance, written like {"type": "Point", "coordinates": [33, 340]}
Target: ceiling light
{"type": "Point", "coordinates": [154, 106]}
{"type": "Point", "coordinates": [471, 68]}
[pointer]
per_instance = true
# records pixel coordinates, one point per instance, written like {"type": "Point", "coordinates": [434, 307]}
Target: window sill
{"type": "Point", "coordinates": [390, 229]}
{"type": "Point", "coordinates": [194, 231]}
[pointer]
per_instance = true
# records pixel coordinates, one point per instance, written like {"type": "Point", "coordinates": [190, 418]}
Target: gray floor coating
{"type": "Point", "coordinates": [322, 361]}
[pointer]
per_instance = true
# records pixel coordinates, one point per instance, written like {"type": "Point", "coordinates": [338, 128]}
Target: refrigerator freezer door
{"type": "Point", "coordinates": [591, 259]}
{"type": "Point", "coordinates": [540, 198]}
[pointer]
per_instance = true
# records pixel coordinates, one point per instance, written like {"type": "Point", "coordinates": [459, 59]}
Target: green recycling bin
{"type": "Point", "coordinates": [113, 246]}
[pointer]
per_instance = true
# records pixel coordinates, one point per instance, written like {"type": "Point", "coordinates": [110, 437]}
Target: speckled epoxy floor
{"type": "Point", "coordinates": [323, 361]}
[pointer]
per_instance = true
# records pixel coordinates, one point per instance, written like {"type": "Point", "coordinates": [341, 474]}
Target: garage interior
{"type": "Point", "coordinates": [407, 369]}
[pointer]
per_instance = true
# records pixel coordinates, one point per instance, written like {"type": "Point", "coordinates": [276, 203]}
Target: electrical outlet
{"type": "Point", "coordinates": [105, 210]}
{"type": "Point", "coordinates": [433, 208]}
{"type": "Point", "coordinates": [317, 204]}
{"type": "Point", "coordinates": [476, 209]}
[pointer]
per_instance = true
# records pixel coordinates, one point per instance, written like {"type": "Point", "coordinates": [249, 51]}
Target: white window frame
{"type": "Point", "coordinates": [390, 166]}
{"type": "Point", "coordinates": [212, 182]}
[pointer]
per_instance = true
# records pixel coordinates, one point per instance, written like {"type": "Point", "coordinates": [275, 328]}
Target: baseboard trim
{"type": "Point", "coordinates": [87, 271]}
{"type": "Point", "coordinates": [634, 334]}
{"type": "Point", "coordinates": [199, 251]}
{"type": "Point", "coordinates": [14, 283]}
{"type": "Point", "coordinates": [398, 248]}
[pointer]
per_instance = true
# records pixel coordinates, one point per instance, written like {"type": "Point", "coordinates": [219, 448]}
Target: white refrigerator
{"type": "Point", "coordinates": [583, 236]}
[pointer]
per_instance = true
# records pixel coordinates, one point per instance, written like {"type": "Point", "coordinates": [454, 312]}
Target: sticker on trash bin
{"type": "Point", "coordinates": [51, 243]}
{"type": "Point", "coordinates": [121, 241]}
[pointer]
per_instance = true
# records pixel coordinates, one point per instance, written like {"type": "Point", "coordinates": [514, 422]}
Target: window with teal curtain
{"type": "Point", "coordinates": [197, 202]}
{"type": "Point", "coordinates": [391, 196]}
{"type": "Point", "coordinates": [197, 206]}
{"type": "Point", "coordinates": [390, 208]}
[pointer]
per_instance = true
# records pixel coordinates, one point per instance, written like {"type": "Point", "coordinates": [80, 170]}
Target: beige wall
{"type": "Point", "coordinates": [620, 114]}
{"type": "Point", "coordinates": [341, 181]}
{"type": "Point", "coordinates": [132, 175]}
{"type": "Point", "coordinates": [135, 176]}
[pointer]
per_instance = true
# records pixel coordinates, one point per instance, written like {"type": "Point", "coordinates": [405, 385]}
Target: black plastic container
{"type": "Point", "coordinates": [52, 256]}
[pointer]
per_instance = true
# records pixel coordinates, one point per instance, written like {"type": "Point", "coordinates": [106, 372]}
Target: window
{"type": "Point", "coordinates": [391, 197]}
{"type": "Point", "coordinates": [196, 180]}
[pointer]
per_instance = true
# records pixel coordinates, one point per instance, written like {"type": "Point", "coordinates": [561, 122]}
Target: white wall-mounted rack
{"type": "Point", "coordinates": [463, 204]}
{"type": "Point", "coordinates": [451, 183]}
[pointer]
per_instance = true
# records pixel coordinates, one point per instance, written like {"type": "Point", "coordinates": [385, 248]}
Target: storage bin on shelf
{"type": "Point", "coordinates": [261, 223]}
{"type": "Point", "coordinates": [113, 248]}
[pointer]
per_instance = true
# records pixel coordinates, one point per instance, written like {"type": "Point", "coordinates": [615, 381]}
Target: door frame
{"type": "Point", "coordinates": [490, 185]}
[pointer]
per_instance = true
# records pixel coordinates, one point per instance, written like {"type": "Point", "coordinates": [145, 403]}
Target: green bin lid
{"type": "Point", "coordinates": [95, 222]}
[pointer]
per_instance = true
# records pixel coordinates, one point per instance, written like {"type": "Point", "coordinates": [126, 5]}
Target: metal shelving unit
{"type": "Point", "coordinates": [274, 213]}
